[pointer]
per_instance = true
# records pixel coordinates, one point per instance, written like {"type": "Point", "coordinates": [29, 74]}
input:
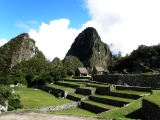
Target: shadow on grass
{"type": "Point", "coordinates": [135, 114]}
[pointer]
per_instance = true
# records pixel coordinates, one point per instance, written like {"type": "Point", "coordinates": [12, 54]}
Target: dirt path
{"type": "Point", "coordinates": [29, 115]}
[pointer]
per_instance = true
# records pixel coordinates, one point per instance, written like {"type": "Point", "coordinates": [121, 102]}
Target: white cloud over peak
{"type": "Point", "coordinates": [123, 24]}
{"type": "Point", "coordinates": [54, 39]}
{"type": "Point", "coordinates": [127, 23]}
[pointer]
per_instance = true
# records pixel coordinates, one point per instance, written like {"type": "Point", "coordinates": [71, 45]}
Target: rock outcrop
{"type": "Point", "coordinates": [90, 50]}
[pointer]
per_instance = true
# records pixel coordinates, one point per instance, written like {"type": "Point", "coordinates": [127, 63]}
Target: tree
{"type": "Point", "coordinates": [13, 99]}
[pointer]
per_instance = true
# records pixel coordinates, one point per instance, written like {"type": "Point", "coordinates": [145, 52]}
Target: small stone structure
{"type": "Point", "coordinates": [98, 70]}
{"type": "Point", "coordinates": [80, 71]}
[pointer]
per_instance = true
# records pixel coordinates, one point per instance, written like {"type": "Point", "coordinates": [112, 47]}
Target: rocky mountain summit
{"type": "Point", "coordinates": [90, 50]}
{"type": "Point", "coordinates": [16, 50]}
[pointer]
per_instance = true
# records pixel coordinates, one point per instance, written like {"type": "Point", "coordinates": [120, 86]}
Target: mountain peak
{"type": "Point", "coordinates": [90, 50]}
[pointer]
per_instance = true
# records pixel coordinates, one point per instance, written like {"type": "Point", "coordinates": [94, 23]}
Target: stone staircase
{"type": "Point", "coordinates": [96, 97]}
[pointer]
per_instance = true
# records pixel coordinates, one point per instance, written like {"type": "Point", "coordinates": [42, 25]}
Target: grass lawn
{"type": "Point", "coordinates": [74, 80]}
{"type": "Point", "coordinates": [75, 112]}
{"type": "Point", "coordinates": [77, 95]}
{"type": "Point", "coordinates": [131, 92]}
{"type": "Point", "coordinates": [132, 111]}
{"type": "Point", "coordinates": [100, 104]}
{"type": "Point", "coordinates": [61, 87]}
{"type": "Point", "coordinates": [155, 97]}
{"type": "Point", "coordinates": [114, 98]}
{"type": "Point", "coordinates": [31, 98]}
{"type": "Point", "coordinates": [97, 85]}
{"type": "Point", "coordinates": [74, 83]}
{"type": "Point", "coordinates": [89, 88]}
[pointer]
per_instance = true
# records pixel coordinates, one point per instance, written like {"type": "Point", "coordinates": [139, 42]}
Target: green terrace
{"type": "Point", "coordinates": [132, 111]}
{"type": "Point", "coordinates": [73, 83]}
{"type": "Point", "coordinates": [33, 98]}
{"type": "Point", "coordinates": [154, 97]}
{"type": "Point", "coordinates": [114, 98]}
{"type": "Point", "coordinates": [131, 92]}
{"type": "Point", "coordinates": [75, 112]}
{"type": "Point", "coordinates": [60, 87]}
{"type": "Point", "coordinates": [78, 95]}
{"type": "Point", "coordinates": [90, 88]}
{"type": "Point", "coordinates": [74, 80]}
{"type": "Point", "coordinates": [96, 84]}
{"type": "Point", "coordinates": [100, 104]}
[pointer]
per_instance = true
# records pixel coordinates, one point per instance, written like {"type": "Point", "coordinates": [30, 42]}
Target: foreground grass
{"type": "Point", "coordinates": [132, 111]}
{"type": "Point", "coordinates": [31, 98]}
{"type": "Point", "coordinates": [75, 112]}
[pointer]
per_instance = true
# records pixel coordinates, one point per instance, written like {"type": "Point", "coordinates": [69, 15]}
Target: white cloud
{"type": "Point", "coordinates": [126, 23]}
{"type": "Point", "coordinates": [3, 41]}
{"type": "Point", "coordinates": [54, 39]}
{"type": "Point", "coordinates": [123, 23]}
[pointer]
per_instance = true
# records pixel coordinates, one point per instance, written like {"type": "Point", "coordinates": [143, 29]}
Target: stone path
{"type": "Point", "coordinates": [29, 115]}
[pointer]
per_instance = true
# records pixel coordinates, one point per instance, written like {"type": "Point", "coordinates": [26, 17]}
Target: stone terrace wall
{"type": "Point", "coordinates": [102, 90]}
{"type": "Point", "coordinates": [117, 103]}
{"type": "Point", "coordinates": [150, 111]}
{"type": "Point", "coordinates": [86, 91]}
{"type": "Point", "coordinates": [136, 88]}
{"type": "Point", "coordinates": [131, 79]}
{"type": "Point", "coordinates": [56, 92]}
{"type": "Point", "coordinates": [76, 98]}
{"type": "Point", "coordinates": [92, 108]}
{"type": "Point", "coordinates": [60, 107]}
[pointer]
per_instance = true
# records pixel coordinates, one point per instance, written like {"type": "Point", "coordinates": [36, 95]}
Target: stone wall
{"type": "Point", "coordinates": [136, 88]}
{"type": "Point", "coordinates": [60, 107]}
{"type": "Point", "coordinates": [131, 79]}
{"type": "Point", "coordinates": [150, 111]}
{"type": "Point", "coordinates": [81, 77]}
{"type": "Point", "coordinates": [93, 108]}
{"type": "Point", "coordinates": [85, 91]}
{"type": "Point", "coordinates": [76, 98]}
{"type": "Point", "coordinates": [57, 92]}
{"type": "Point", "coordinates": [109, 101]}
{"type": "Point", "coordinates": [102, 90]}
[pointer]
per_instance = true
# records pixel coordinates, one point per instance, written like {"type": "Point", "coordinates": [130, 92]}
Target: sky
{"type": "Point", "coordinates": [54, 24]}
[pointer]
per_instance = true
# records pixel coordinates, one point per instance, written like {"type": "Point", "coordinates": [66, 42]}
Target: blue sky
{"type": "Point", "coordinates": [32, 12]}
{"type": "Point", "coordinates": [54, 24]}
